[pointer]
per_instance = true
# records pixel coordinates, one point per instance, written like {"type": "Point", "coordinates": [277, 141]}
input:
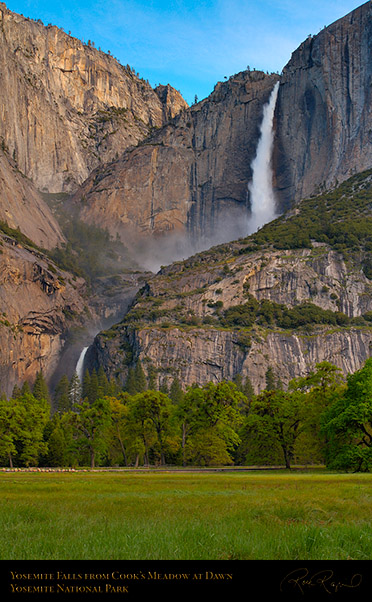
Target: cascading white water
{"type": "Point", "coordinates": [263, 208]}
{"type": "Point", "coordinates": [80, 364]}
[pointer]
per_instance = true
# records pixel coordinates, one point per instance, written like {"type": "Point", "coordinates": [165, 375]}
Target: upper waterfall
{"type": "Point", "coordinates": [263, 208]}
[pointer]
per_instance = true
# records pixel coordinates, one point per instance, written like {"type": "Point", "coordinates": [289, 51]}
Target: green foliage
{"type": "Point", "coordinates": [61, 395]}
{"type": "Point", "coordinates": [270, 379]}
{"type": "Point", "coordinates": [40, 389]}
{"type": "Point", "coordinates": [347, 424]}
{"type": "Point", "coordinates": [90, 252]}
{"type": "Point", "coordinates": [176, 393]}
{"type": "Point", "coordinates": [90, 423]}
{"type": "Point", "coordinates": [270, 314]}
{"type": "Point", "coordinates": [317, 418]}
{"type": "Point", "coordinates": [22, 423]}
{"type": "Point", "coordinates": [17, 235]}
{"type": "Point", "coordinates": [341, 218]}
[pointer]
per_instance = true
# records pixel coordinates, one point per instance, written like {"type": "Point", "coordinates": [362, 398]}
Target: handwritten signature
{"type": "Point", "coordinates": [303, 579]}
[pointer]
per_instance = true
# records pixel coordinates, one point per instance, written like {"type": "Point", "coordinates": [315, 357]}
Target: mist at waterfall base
{"type": "Point", "coordinates": [234, 222]}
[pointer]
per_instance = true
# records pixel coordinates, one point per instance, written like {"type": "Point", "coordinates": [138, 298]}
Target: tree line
{"type": "Point", "coordinates": [319, 418]}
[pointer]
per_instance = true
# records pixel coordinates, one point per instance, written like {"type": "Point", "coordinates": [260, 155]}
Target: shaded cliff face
{"type": "Point", "coordinates": [244, 306]}
{"type": "Point", "coordinates": [72, 107]}
{"type": "Point", "coordinates": [21, 206]}
{"type": "Point", "coordinates": [324, 109]}
{"type": "Point", "coordinates": [39, 304]}
{"type": "Point", "coordinates": [189, 177]}
{"type": "Point", "coordinates": [48, 315]}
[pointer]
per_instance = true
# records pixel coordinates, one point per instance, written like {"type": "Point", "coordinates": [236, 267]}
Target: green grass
{"type": "Point", "coordinates": [178, 516]}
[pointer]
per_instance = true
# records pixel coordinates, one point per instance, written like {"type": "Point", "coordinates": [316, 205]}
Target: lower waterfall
{"type": "Point", "coordinates": [80, 364]}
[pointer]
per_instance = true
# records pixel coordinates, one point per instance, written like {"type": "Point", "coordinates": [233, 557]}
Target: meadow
{"type": "Point", "coordinates": [185, 516]}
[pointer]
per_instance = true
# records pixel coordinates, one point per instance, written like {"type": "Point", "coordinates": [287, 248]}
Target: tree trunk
{"type": "Point", "coordinates": [92, 458]}
{"type": "Point", "coordinates": [183, 444]}
{"type": "Point", "coordinates": [10, 460]}
{"type": "Point", "coordinates": [287, 457]}
{"type": "Point", "coordinates": [122, 448]}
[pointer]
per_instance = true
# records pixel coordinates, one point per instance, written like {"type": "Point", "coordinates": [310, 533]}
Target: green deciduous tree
{"type": "Point", "coordinates": [34, 415]}
{"type": "Point", "coordinates": [11, 417]}
{"type": "Point", "coordinates": [214, 410]}
{"type": "Point", "coordinates": [91, 423]}
{"type": "Point", "coordinates": [152, 409]}
{"type": "Point", "coordinates": [322, 386]}
{"type": "Point", "coordinates": [119, 411]}
{"type": "Point", "coordinates": [276, 419]}
{"type": "Point", "coordinates": [348, 424]}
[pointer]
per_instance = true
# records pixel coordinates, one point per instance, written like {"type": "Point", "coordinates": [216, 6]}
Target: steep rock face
{"type": "Point", "coordinates": [21, 207]}
{"type": "Point", "coordinates": [324, 108]}
{"type": "Point", "coordinates": [72, 107]}
{"type": "Point", "coordinates": [171, 100]}
{"type": "Point", "coordinates": [175, 324]}
{"type": "Point", "coordinates": [201, 355]}
{"type": "Point", "coordinates": [192, 175]}
{"type": "Point", "coordinates": [38, 306]}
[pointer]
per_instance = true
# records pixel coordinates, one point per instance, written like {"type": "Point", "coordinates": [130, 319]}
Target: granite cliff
{"type": "Point", "coordinates": [323, 125]}
{"type": "Point", "coordinates": [39, 304]}
{"type": "Point", "coordinates": [73, 107]}
{"type": "Point", "coordinates": [270, 300]}
{"type": "Point", "coordinates": [172, 180]}
{"type": "Point", "coordinates": [22, 207]}
{"type": "Point", "coordinates": [191, 176]}
{"type": "Point", "coordinates": [323, 113]}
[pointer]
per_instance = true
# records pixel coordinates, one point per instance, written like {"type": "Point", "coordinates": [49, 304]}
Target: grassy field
{"type": "Point", "coordinates": [185, 516]}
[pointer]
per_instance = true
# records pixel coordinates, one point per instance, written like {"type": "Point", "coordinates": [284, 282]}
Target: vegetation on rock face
{"type": "Point", "coordinates": [341, 218]}
{"type": "Point", "coordinates": [91, 252]}
{"type": "Point", "coordinates": [319, 418]}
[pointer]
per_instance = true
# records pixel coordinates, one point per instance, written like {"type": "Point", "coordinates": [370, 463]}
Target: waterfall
{"type": "Point", "coordinates": [80, 364]}
{"type": "Point", "coordinates": [261, 188]}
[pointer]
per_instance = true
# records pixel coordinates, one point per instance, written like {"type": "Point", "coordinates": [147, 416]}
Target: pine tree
{"type": "Point", "coordinates": [25, 389]}
{"type": "Point", "coordinates": [40, 389]}
{"type": "Point", "coordinates": [130, 384]}
{"type": "Point", "coordinates": [164, 386]}
{"type": "Point", "coordinates": [175, 392]}
{"type": "Point", "coordinates": [93, 387]}
{"type": "Point", "coordinates": [16, 392]}
{"type": "Point", "coordinates": [151, 378]}
{"type": "Point", "coordinates": [279, 384]}
{"type": "Point", "coordinates": [248, 389]}
{"type": "Point", "coordinates": [74, 390]}
{"type": "Point", "coordinates": [61, 396]}
{"type": "Point", "coordinates": [270, 379]}
{"type": "Point", "coordinates": [114, 388]}
{"type": "Point", "coordinates": [86, 385]}
{"type": "Point", "coordinates": [238, 381]}
{"type": "Point", "coordinates": [140, 378]}
{"type": "Point", "coordinates": [103, 383]}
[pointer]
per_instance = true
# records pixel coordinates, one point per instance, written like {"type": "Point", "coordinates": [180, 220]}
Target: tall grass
{"type": "Point", "coordinates": [185, 516]}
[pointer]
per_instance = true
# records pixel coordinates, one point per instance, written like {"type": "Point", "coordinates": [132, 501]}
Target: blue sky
{"type": "Point", "coordinates": [191, 44]}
